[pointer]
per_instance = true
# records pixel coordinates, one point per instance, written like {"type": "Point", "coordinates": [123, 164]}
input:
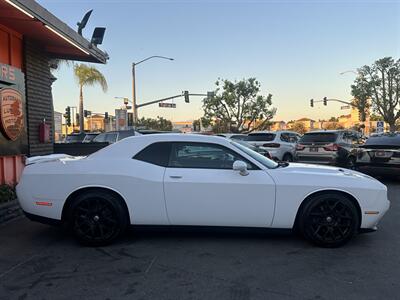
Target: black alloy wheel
{"type": "Point", "coordinates": [97, 218]}
{"type": "Point", "coordinates": [329, 220]}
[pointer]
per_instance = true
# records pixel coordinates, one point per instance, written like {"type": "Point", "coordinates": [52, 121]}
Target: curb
{"type": "Point", "coordinates": [9, 211]}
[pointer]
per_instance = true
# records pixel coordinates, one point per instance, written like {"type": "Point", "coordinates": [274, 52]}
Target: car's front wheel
{"type": "Point", "coordinates": [329, 220]}
{"type": "Point", "coordinates": [97, 218]}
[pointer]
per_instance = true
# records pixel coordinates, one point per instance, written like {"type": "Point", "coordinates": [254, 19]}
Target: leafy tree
{"type": "Point", "coordinates": [204, 124]}
{"type": "Point", "coordinates": [155, 124]}
{"type": "Point", "coordinates": [333, 119]}
{"type": "Point", "coordinates": [333, 126]}
{"type": "Point", "coordinates": [87, 76]}
{"type": "Point", "coordinates": [238, 106]}
{"type": "Point", "coordinates": [381, 82]}
{"type": "Point", "coordinates": [361, 91]}
{"type": "Point", "coordinates": [375, 117]}
{"type": "Point", "coordinates": [299, 127]}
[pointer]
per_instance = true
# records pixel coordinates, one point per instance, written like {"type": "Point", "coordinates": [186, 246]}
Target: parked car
{"type": "Point", "coordinates": [89, 137]}
{"type": "Point", "coordinates": [281, 145]}
{"type": "Point", "coordinates": [380, 155]}
{"type": "Point", "coordinates": [331, 147]}
{"type": "Point", "coordinates": [79, 137]}
{"type": "Point", "coordinates": [197, 180]}
{"type": "Point", "coordinates": [259, 149]}
{"type": "Point", "coordinates": [114, 136]}
{"type": "Point", "coordinates": [233, 136]}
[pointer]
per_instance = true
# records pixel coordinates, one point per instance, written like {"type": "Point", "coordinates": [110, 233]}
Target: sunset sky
{"type": "Point", "coordinates": [296, 49]}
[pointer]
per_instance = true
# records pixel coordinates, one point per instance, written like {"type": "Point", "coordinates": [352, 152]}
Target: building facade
{"type": "Point", "coordinates": [31, 41]}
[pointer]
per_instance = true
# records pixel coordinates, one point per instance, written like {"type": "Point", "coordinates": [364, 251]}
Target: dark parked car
{"type": "Point", "coordinates": [82, 137]}
{"type": "Point", "coordinates": [331, 147]}
{"type": "Point", "coordinates": [114, 136]}
{"type": "Point", "coordinates": [380, 155]}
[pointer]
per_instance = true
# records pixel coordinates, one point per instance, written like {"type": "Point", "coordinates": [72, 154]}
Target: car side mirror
{"type": "Point", "coordinates": [240, 166]}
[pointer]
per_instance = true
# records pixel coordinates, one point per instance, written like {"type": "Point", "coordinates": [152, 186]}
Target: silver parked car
{"type": "Point", "coordinates": [281, 145]}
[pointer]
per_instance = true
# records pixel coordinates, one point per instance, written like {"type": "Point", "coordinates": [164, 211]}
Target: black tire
{"type": "Point", "coordinates": [287, 157]}
{"type": "Point", "coordinates": [329, 220]}
{"type": "Point", "coordinates": [97, 218]}
{"type": "Point", "coordinates": [351, 163]}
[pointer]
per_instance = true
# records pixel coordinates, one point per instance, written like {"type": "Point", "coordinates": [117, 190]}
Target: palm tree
{"type": "Point", "coordinates": [87, 76]}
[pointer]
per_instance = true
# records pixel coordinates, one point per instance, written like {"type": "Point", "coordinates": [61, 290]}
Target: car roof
{"type": "Point", "coordinates": [273, 132]}
{"type": "Point", "coordinates": [327, 131]}
{"type": "Point", "coordinates": [131, 145]}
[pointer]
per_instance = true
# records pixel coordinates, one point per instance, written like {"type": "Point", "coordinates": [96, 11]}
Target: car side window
{"type": "Point", "coordinates": [156, 154]}
{"type": "Point", "coordinates": [293, 138]}
{"type": "Point", "coordinates": [204, 156]}
{"type": "Point", "coordinates": [111, 137]}
{"type": "Point", "coordinates": [100, 138]}
{"type": "Point", "coordinates": [285, 137]}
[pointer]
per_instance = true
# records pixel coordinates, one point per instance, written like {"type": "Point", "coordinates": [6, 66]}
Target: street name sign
{"type": "Point", "coordinates": [167, 105]}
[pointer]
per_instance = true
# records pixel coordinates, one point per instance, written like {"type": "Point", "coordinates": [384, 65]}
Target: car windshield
{"type": "Point", "coordinates": [257, 156]}
{"type": "Point", "coordinates": [319, 137]}
{"type": "Point", "coordinates": [263, 137]}
{"type": "Point", "coordinates": [74, 138]}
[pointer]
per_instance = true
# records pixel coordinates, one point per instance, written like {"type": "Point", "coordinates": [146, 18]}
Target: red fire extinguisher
{"type": "Point", "coordinates": [44, 132]}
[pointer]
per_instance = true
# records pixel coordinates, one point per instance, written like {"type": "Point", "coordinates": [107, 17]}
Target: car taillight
{"type": "Point", "coordinates": [300, 147]}
{"type": "Point", "coordinates": [272, 145]}
{"type": "Point", "coordinates": [332, 147]}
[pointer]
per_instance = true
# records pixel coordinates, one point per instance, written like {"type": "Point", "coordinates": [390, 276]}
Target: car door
{"type": "Point", "coordinates": [201, 188]}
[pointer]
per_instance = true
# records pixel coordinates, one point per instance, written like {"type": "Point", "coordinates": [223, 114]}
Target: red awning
{"type": "Point", "coordinates": [33, 21]}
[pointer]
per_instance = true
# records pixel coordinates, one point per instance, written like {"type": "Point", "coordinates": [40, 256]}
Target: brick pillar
{"type": "Point", "coordinates": [39, 100]}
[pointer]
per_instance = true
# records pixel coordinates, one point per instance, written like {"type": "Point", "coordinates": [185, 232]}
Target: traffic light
{"type": "Point", "coordinates": [77, 119]}
{"type": "Point", "coordinates": [106, 115]}
{"type": "Point", "coordinates": [210, 95]}
{"type": "Point", "coordinates": [312, 102]}
{"type": "Point", "coordinates": [186, 95]}
{"type": "Point", "coordinates": [325, 101]}
{"type": "Point", "coordinates": [67, 116]}
{"type": "Point", "coordinates": [85, 113]}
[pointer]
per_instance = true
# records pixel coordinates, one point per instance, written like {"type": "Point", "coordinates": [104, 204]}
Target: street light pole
{"type": "Point", "coordinates": [134, 108]}
{"type": "Point", "coordinates": [134, 105]}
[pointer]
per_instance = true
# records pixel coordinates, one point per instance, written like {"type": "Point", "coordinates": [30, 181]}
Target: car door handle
{"type": "Point", "coordinates": [175, 176]}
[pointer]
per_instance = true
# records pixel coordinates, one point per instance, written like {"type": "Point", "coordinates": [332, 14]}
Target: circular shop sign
{"type": "Point", "coordinates": [11, 113]}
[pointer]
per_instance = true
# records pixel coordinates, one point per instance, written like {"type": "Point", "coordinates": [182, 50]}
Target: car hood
{"type": "Point", "coordinates": [311, 169]}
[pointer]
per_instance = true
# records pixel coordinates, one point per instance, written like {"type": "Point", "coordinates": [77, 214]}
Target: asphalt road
{"type": "Point", "coordinates": [41, 262]}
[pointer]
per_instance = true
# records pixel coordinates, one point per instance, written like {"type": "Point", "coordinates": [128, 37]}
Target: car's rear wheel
{"type": "Point", "coordinates": [329, 220]}
{"type": "Point", "coordinates": [97, 218]}
{"type": "Point", "coordinates": [351, 163]}
{"type": "Point", "coordinates": [287, 157]}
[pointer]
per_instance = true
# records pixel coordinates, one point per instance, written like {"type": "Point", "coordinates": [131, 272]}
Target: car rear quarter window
{"type": "Point", "coordinates": [319, 137]}
{"type": "Point", "coordinates": [156, 154]}
{"type": "Point", "coordinates": [261, 137]}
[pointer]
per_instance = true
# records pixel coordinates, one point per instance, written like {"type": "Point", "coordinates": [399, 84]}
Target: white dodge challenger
{"type": "Point", "coordinates": [182, 179]}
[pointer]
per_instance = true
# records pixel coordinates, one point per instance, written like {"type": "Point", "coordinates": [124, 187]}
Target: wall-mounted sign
{"type": "Point", "coordinates": [11, 113]}
{"type": "Point", "coordinates": [8, 73]}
